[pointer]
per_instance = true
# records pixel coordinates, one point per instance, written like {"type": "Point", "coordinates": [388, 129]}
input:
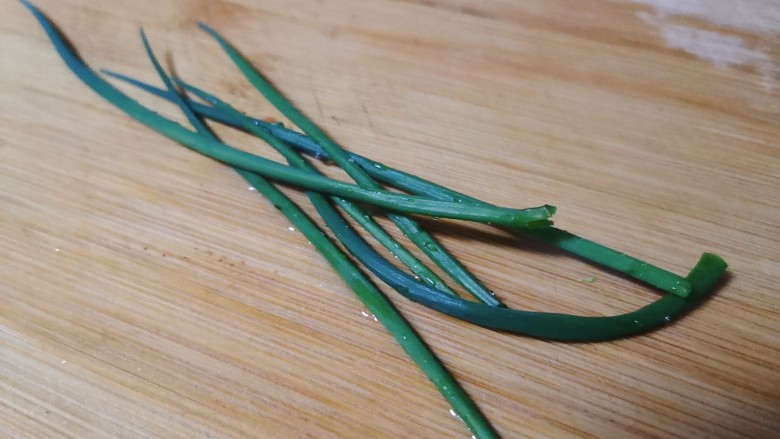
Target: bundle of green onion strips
{"type": "Point", "coordinates": [417, 196]}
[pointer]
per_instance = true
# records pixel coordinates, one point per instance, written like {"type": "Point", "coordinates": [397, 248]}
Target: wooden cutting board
{"type": "Point", "coordinates": [145, 292]}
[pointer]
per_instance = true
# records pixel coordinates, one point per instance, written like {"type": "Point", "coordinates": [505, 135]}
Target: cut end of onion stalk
{"type": "Point", "coordinates": [534, 218]}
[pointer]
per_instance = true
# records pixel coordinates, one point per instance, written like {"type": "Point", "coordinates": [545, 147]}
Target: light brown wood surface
{"type": "Point", "coordinates": [145, 292]}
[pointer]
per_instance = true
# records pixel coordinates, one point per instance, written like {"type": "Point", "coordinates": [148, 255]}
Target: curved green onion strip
{"type": "Point", "coordinates": [542, 325]}
{"type": "Point", "coordinates": [582, 247]}
{"type": "Point", "coordinates": [549, 325]}
{"type": "Point", "coordinates": [409, 227]}
{"type": "Point", "coordinates": [374, 300]}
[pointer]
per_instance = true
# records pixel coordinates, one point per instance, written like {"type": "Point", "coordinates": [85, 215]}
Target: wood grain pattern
{"type": "Point", "coordinates": [147, 293]}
